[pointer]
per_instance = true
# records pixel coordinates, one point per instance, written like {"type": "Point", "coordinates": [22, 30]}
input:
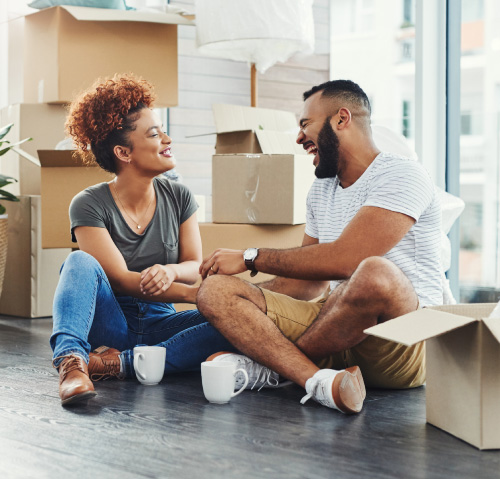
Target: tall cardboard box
{"type": "Point", "coordinates": [261, 189]}
{"type": "Point", "coordinates": [62, 177]}
{"type": "Point", "coordinates": [45, 124]}
{"type": "Point", "coordinates": [235, 236]}
{"type": "Point", "coordinates": [242, 129]}
{"type": "Point", "coordinates": [67, 48]}
{"type": "Point", "coordinates": [463, 367]}
{"type": "Point", "coordinates": [31, 273]}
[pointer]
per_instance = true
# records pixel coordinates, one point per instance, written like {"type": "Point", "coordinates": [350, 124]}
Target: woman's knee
{"type": "Point", "coordinates": [79, 261]}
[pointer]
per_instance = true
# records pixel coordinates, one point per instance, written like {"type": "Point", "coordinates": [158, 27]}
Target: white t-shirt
{"type": "Point", "coordinates": [397, 184]}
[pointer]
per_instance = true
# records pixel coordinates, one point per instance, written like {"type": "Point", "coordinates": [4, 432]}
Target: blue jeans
{"type": "Point", "coordinates": [87, 314]}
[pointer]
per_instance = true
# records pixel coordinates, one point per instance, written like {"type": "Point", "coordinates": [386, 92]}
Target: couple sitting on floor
{"type": "Point", "coordinates": [371, 252]}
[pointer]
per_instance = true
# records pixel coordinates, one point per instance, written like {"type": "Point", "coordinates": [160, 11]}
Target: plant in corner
{"type": "Point", "coordinates": [5, 146]}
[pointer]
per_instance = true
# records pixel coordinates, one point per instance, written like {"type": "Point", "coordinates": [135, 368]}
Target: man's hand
{"type": "Point", "coordinates": [157, 279]}
{"type": "Point", "coordinates": [223, 261]}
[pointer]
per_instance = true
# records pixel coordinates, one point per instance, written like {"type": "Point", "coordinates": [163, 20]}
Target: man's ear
{"type": "Point", "coordinates": [343, 118]}
{"type": "Point", "coordinates": [122, 153]}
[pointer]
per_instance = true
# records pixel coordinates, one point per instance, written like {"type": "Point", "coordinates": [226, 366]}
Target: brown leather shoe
{"type": "Point", "coordinates": [104, 363]}
{"type": "Point", "coordinates": [74, 382]}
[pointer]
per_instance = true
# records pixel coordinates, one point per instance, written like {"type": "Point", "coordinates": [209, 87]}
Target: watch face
{"type": "Point", "coordinates": [250, 254]}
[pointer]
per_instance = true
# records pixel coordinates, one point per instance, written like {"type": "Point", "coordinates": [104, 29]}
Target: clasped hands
{"type": "Point", "coordinates": [157, 279]}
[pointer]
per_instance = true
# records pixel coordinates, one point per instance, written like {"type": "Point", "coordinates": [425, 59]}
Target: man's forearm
{"type": "Point", "coordinates": [312, 263]}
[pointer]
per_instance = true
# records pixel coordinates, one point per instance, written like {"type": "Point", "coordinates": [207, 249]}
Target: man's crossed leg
{"type": "Point", "coordinates": [273, 332]}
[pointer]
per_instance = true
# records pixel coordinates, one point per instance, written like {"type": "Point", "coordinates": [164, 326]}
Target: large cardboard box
{"type": "Point", "coordinates": [261, 189]}
{"type": "Point", "coordinates": [31, 273]}
{"type": "Point", "coordinates": [67, 48]}
{"type": "Point", "coordinates": [45, 124]}
{"type": "Point", "coordinates": [463, 367]}
{"type": "Point", "coordinates": [243, 129]}
{"type": "Point", "coordinates": [62, 177]}
{"type": "Point", "coordinates": [235, 236]}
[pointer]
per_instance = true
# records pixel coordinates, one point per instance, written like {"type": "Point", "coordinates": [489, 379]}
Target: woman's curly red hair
{"type": "Point", "coordinates": [103, 109]}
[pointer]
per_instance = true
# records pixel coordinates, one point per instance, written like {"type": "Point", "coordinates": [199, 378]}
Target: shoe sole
{"type": "Point", "coordinates": [78, 398]}
{"type": "Point", "coordinates": [348, 390]}
{"type": "Point", "coordinates": [214, 356]}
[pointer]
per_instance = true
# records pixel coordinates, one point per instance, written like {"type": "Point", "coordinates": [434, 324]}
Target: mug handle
{"type": "Point", "coordinates": [136, 366]}
{"type": "Point", "coordinates": [244, 385]}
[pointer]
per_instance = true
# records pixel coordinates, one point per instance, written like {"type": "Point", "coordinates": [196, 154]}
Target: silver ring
{"type": "Point", "coordinates": [163, 282]}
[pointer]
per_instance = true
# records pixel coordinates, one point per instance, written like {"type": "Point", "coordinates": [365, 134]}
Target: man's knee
{"type": "Point", "coordinates": [376, 277]}
{"type": "Point", "coordinates": [220, 292]}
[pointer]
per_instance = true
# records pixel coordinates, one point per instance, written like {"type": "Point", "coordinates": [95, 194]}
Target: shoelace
{"type": "Point", "coordinates": [110, 367]}
{"type": "Point", "coordinates": [316, 384]}
{"type": "Point", "coordinates": [71, 364]}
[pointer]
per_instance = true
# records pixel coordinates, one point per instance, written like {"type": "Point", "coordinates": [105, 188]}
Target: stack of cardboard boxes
{"type": "Point", "coordinates": [54, 54]}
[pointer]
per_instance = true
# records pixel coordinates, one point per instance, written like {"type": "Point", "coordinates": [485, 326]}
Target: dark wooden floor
{"type": "Point", "coordinates": [133, 431]}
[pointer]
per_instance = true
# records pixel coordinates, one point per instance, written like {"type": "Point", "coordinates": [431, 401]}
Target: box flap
{"type": "Point", "coordinates": [236, 118]}
{"type": "Point", "coordinates": [278, 142]}
{"type": "Point", "coordinates": [493, 325]}
{"type": "Point", "coordinates": [113, 15]}
{"type": "Point", "coordinates": [58, 158]}
{"type": "Point", "coordinates": [418, 326]}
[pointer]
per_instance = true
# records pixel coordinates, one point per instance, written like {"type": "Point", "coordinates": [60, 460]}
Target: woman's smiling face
{"type": "Point", "coordinates": [150, 145]}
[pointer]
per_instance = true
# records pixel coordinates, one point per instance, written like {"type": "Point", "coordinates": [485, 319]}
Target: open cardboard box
{"type": "Point", "coordinates": [463, 367]}
{"type": "Point", "coordinates": [243, 129]}
{"type": "Point", "coordinates": [67, 48]}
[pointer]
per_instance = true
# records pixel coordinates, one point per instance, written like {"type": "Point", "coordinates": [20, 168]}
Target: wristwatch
{"type": "Point", "coordinates": [250, 256]}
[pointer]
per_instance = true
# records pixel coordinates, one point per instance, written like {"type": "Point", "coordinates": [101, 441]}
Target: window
{"type": "Point", "coordinates": [406, 119]}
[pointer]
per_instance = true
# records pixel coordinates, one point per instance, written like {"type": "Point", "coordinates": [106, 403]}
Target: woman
{"type": "Point", "coordinates": [140, 248]}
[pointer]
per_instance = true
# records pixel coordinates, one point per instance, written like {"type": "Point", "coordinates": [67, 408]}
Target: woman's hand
{"type": "Point", "coordinates": [157, 279]}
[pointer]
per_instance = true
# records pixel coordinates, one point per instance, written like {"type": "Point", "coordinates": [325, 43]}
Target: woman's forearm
{"type": "Point", "coordinates": [129, 283]}
{"type": "Point", "coordinates": [186, 272]}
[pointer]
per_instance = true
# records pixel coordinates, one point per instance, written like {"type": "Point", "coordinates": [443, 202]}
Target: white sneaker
{"type": "Point", "coordinates": [258, 376]}
{"type": "Point", "coordinates": [343, 390]}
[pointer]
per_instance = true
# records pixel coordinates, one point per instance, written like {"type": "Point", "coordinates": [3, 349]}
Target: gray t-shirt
{"type": "Point", "coordinates": [159, 244]}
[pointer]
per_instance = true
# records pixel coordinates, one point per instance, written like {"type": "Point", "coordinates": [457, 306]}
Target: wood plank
{"type": "Point", "coordinates": [290, 74]}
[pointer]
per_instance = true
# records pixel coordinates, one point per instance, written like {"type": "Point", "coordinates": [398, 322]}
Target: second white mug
{"type": "Point", "coordinates": [219, 379]}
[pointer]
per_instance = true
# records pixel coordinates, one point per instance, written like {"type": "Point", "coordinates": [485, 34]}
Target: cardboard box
{"type": "Point", "coordinates": [31, 273]}
{"type": "Point", "coordinates": [261, 189]}
{"type": "Point", "coordinates": [234, 236]}
{"type": "Point", "coordinates": [62, 177]}
{"type": "Point", "coordinates": [67, 48]}
{"type": "Point", "coordinates": [243, 129]}
{"type": "Point", "coordinates": [463, 367]}
{"type": "Point", "coordinates": [45, 124]}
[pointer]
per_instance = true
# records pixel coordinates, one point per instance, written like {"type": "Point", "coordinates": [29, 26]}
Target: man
{"type": "Point", "coordinates": [372, 234]}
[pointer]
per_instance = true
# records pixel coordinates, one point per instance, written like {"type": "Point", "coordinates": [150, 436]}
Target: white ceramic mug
{"type": "Point", "coordinates": [149, 364]}
{"type": "Point", "coordinates": [219, 379]}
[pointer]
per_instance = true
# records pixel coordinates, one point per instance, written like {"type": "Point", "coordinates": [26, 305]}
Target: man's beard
{"type": "Point", "coordinates": [328, 152]}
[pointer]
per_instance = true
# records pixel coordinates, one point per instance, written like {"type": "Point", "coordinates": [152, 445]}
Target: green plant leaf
{"type": "Point", "coordinates": [6, 180]}
{"type": "Point", "coordinates": [5, 195]}
{"type": "Point", "coordinates": [5, 150]}
{"type": "Point", "coordinates": [5, 130]}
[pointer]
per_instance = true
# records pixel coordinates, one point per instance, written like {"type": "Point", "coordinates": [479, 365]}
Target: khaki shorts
{"type": "Point", "coordinates": [384, 364]}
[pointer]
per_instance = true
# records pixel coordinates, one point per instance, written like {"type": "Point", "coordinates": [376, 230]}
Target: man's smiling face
{"type": "Point", "coordinates": [318, 138]}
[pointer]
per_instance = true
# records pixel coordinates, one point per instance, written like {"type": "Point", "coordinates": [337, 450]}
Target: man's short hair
{"type": "Point", "coordinates": [345, 90]}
